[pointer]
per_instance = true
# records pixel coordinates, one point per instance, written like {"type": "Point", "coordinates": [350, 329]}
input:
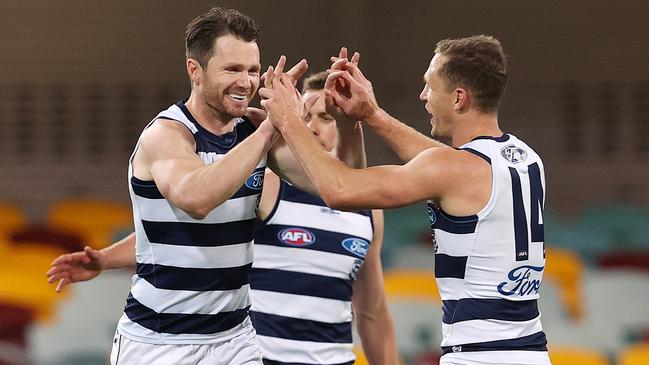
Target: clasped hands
{"type": "Point", "coordinates": [348, 94]}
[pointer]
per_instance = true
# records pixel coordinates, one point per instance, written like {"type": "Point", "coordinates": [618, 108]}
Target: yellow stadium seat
{"type": "Point", "coordinates": [360, 356]}
{"type": "Point", "coordinates": [411, 284]}
{"type": "Point", "coordinates": [96, 221]}
{"type": "Point", "coordinates": [11, 218]}
{"type": "Point", "coordinates": [634, 355]}
{"type": "Point", "coordinates": [23, 281]}
{"type": "Point", "coordinates": [566, 269]}
{"type": "Point", "coordinates": [576, 356]}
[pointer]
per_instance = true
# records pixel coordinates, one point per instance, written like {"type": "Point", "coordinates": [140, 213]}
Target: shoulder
{"type": "Point", "coordinates": [164, 132]}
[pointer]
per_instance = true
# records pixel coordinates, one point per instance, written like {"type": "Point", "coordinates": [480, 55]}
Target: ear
{"type": "Point", "coordinates": [194, 70]}
{"type": "Point", "coordinates": [462, 101]}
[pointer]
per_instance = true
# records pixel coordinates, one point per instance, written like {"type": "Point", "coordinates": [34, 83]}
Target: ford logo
{"type": "Point", "coordinates": [256, 180]}
{"type": "Point", "coordinates": [524, 280]}
{"type": "Point", "coordinates": [356, 246]}
{"type": "Point", "coordinates": [296, 237]}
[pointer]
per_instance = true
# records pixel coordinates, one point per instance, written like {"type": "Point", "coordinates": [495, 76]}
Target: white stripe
{"type": "Point", "coordinates": [451, 288]}
{"type": "Point", "coordinates": [304, 261]}
{"type": "Point", "coordinates": [497, 357]}
{"type": "Point", "coordinates": [311, 216]}
{"type": "Point", "coordinates": [211, 157]}
{"type": "Point", "coordinates": [284, 350]}
{"type": "Point", "coordinates": [161, 210]}
{"type": "Point", "coordinates": [479, 330]}
{"type": "Point", "coordinates": [301, 306]}
{"type": "Point", "coordinates": [198, 257]}
{"type": "Point", "coordinates": [175, 113]}
{"type": "Point", "coordinates": [454, 244]}
{"type": "Point", "coordinates": [189, 301]}
{"type": "Point", "coordinates": [136, 332]}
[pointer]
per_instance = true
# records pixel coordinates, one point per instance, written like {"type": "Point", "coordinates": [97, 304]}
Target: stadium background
{"type": "Point", "coordinates": [79, 80]}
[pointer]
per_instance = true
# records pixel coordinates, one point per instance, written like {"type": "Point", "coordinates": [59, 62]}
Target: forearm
{"type": "Point", "coordinates": [120, 254]}
{"type": "Point", "coordinates": [377, 336]}
{"type": "Point", "coordinates": [350, 148]}
{"type": "Point", "coordinates": [201, 190]}
{"type": "Point", "coordinates": [404, 140]}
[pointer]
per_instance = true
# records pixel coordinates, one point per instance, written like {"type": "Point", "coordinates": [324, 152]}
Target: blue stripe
{"type": "Point", "coordinates": [325, 241]}
{"type": "Point", "coordinates": [291, 282]}
{"type": "Point", "coordinates": [292, 194]}
{"type": "Point", "coordinates": [182, 323]}
{"type": "Point", "coordinates": [467, 309]}
{"type": "Point", "coordinates": [272, 325]}
{"type": "Point", "coordinates": [452, 224]}
{"type": "Point", "coordinates": [450, 266]}
{"type": "Point", "coordinates": [274, 362]}
{"type": "Point", "coordinates": [145, 189]}
{"type": "Point", "coordinates": [200, 234]}
{"type": "Point", "coordinates": [503, 138]}
{"type": "Point", "coordinates": [181, 278]}
{"type": "Point", "coordinates": [520, 220]}
{"type": "Point", "coordinates": [533, 342]}
{"type": "Point", "coordinates": [477, 153]}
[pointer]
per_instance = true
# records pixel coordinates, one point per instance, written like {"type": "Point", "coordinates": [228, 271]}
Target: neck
{"type": "Point", "coordinates": [207, 116]}
{"type": "Point", "coordinates": [475, 125]}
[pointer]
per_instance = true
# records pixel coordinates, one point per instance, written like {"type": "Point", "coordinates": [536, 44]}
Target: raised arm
{"type": "Point", "coordinates": [89, 263]}
{"type": "Point", "coordinates": [373, 319]}
{"type": "Point", "coordinates": [166, 154]}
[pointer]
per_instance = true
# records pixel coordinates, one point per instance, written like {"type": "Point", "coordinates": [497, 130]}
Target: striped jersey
{"type": "Point", "coordinates": [193, 276]}
{"type": "Point", "coordinates": [306, 259]}
{"type": "Point", "coordinates": [489, 266]}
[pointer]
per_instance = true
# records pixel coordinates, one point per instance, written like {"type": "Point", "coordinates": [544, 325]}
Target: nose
{"type": "Point", "coordinates": [313, 126]}
{"type": "Point", "coordinates": [424, 94]}
{"type": "Point", "coordinates": [244, 80]}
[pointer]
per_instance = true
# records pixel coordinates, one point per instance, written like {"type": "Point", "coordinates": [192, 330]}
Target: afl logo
{"type": "Point", "coordinates": [296, 237]}
{"type": "Point", "coordinates": [256, 180]}
{"type": "Point", "coordinates": [356, 246]}
{"type": "Point", "coordinates": [514, 154]}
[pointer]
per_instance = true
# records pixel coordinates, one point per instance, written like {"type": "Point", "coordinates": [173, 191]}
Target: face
{"type": "Point", "coordinates": [439, 101]}
{"type": "Point", "coordinates": [320, 123]}
{"type": "Point", "coordinates": [231, 77]}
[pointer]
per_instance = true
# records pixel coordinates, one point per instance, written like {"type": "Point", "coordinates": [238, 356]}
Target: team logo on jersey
{"type": "Point", "coordinates": [523, 280]}
{"type": "Point", "coordinates": [296, 237]}
{"type": "Point", "coordinates": [256, 180]}
{"type": "Point", "coordinates": [356, 246]}
{"type": "Point", "coordinates": [357, 266]}
{"type": "Point", "coordinates": [514, 154]}
{"type": "Point", "coordinates": [433, 218]}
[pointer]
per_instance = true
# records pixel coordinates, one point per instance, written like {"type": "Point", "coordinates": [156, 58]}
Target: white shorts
{"type": "Point", "coordinates": [238, 350]}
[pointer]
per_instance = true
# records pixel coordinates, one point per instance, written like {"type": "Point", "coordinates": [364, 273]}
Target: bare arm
{"type": "Point", "coordinates": [166, 154]}
{"type": "Point", "coordinates": [89, 263]}
{"type": "Point", "coordinates": [373, 319]}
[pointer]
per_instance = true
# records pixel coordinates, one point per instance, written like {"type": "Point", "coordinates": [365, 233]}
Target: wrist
{"type": "Point", "coordinates": [377, 117]}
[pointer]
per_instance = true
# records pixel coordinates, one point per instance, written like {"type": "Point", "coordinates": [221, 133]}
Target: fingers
{"type": "Point", "coordinates": [280, 65]}
{"type": "Point", "coordinates": [339, 65]}
{"type": "Point", "coordinates": [296, 72]}
{"type": "Point", "coordinates": [356, 58]}
{"type": "Point", "coordinates": [355, 71]}
{"type": "Point", "coordinates": [62, 284]}
{"type": "Point", "coordinates": [265, 93]}
{"type": "Point", "coordinates": [310, 100]}
{"type": "Point", "coordinates": [268, 77]}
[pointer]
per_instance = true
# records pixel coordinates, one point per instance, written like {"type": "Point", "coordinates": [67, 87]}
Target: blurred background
{"type": "Point", "coordinates": [79, 80]}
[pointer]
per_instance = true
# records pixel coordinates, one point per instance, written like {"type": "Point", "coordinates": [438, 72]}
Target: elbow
{"type": "Point", "coordinates": [194, 207]}
{"type": "Point", "coordinates": [338, 199]}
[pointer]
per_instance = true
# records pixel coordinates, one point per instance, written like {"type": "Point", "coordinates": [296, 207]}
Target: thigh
{"type": "Point", "coordinates": [239, 350]}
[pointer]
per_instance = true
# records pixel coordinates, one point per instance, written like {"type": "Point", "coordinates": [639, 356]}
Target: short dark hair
{"type": "Point", "coordinates": [477, 63]}
{"type": "Point", "coordinates": [203, 31]}
{"type": "Point", "coordinates": [314, 82]}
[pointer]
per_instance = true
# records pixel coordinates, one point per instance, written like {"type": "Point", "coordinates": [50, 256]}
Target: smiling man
{"type": "Point", "coordinates": [485, 194]}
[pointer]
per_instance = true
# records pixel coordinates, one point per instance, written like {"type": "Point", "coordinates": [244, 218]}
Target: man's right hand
{"type": "Point", "coordinates": [74, 267]}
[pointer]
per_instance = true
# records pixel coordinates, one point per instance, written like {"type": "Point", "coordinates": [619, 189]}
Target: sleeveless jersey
{"type": "Point", "coordinates": [306, 259]}
{"type": "Point", "coordinates": [489, 266]}
{"type": "Point", "coordinates": [192, 280]}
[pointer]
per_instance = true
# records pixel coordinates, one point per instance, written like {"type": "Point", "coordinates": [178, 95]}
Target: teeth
{"type": "Point", "coordinates": [237, 96]}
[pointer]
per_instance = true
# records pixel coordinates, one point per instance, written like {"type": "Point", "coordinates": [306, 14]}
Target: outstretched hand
{"type": "Point", "coordinates": [74, 267]}
{"type": "Point", "coordinates": [281, 101]}
{"type": "Point", "coordinates": [348, 89]}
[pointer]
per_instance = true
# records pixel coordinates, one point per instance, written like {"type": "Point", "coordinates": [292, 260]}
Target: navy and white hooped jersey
{"type": "Point", "coordinates": [306, 259]}
{"type": "Point", "coordinates": [489, 266]}
{"type": "Point", "coordinates": [193, 276]}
